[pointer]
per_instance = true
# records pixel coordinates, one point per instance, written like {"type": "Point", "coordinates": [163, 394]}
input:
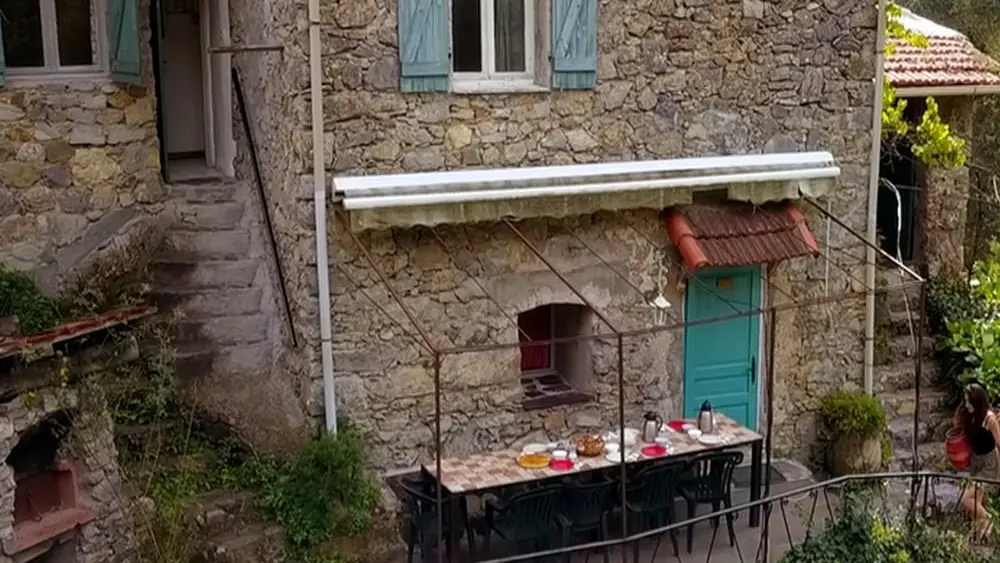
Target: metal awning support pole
{"type": "Point", "coordinates": [534, 250]}
{"type": "Point", "coordinates": [233, 49]}
{"type": "Point", "coordinates": [438, 489]}
{"type": "Point", "coordinates": [769, 441]}
{"type": "Point", "coordinates": [388, 286]}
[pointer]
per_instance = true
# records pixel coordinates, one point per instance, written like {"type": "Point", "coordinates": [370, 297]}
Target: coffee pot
{"type": "Point", "coordinates": [706, 418]}
{"type": "Point", "coordinates": [651, 425]}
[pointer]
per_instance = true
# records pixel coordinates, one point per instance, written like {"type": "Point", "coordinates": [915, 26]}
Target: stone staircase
{"type": "Point", "coordinates": [234, 531]}
{"type": "Point", "coordinates": [897, 380]}
{"type": "Point", "coordinates": [209, 270]}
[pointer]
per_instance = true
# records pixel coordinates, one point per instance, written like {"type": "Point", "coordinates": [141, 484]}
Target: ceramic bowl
{"type": "Point", "coordinates": [560, 455]}
{"type": "Point", "coordinates": [612, 448]}
{"type": "Point", "coordinates": [694, 433]}
{"type": "Point", "coordinates": [535, 449]}
{"type": "Point", "coordinates": [662, 441]}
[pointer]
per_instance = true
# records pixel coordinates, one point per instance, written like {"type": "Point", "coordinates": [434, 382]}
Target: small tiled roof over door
{"type": "Point", "coordinates": [949, 59]}
{"type": "Point", "coordinates": [737, 234]}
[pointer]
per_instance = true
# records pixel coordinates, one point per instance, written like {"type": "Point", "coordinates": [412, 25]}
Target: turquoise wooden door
{"type": "Point", "coordinates": [720, 358]}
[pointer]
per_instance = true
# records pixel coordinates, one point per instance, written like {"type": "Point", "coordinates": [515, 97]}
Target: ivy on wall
{"type": "Point", "coordinates": [933, 141]}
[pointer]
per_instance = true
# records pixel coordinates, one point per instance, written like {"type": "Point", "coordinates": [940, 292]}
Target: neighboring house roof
{"type": "Point", "coordinates": [950, 60]}
{"type": "Point", "coordinates": [734, 234]}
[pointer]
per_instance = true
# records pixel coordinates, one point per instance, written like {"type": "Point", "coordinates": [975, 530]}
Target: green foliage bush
{"type": "Point", "coordinates": [862, 534]}
{"type": "Point", "coordinates": [324, 492]}
{"type": "Point", "coordinates": [857, 414]}
{"type": "Point", "coordinates": [20, 297]}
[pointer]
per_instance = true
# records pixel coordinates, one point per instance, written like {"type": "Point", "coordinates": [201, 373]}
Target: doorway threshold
{"type": "Point", "coordinates": [190, 170]}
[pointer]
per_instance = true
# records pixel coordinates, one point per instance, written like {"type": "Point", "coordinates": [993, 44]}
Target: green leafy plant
{"type": "Point", "coordinates": [933, 141]}
{"type": "Point", "coordinates": [864, 534]}
{"type": "Point", "coordinates": [857, 414]}
{"type": "Point", "coordinates": [20, 297]}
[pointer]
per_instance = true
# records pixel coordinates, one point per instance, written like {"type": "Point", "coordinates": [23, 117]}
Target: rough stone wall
{"type": "Point", "coordinates": [276, 89]}
{"type": "Point", "coordinates": [91, 449]}
{"type": "Point", "coordinates": [387, 385]}
{"type": "Point", "coordinates": [675, 79]}
{"type": "Point", "coordinates": [946, 199]}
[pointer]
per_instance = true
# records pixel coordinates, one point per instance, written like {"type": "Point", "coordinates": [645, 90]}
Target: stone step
{"type": "Point", "coordinates": [900, 322]}
{"type": "Point", "coordinates": [246, 329]}
{"type": "Point", "coordinates": [901, 431]}
{"type": "Point", "coordinates": [903, 348]}
{"type": "Point", "coordinates": [202, 304]}
{"type": "Point", "coordinates": [903, 403]}
{"type": "Point", "coordinates": [231, 244]}
{"type": "Point", "coordinates": [176, 274]}
{"type": "Point", "coordinates": [930, 457]}
{"type": "Point", "coordinates": [202, 193]}
{"type": "Point", "coordinates": [197, 359]}
{"type": "Point", "coordinates": [902, 376]}
{"type": "Point", "coordinates": [220, 512]}
{"type": "Point", "coordinates": [209, 216]}
{"type": "Point", "coordinates": [253, 544]}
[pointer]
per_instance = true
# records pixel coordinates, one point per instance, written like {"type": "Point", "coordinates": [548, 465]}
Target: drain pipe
{"type": "Point", "coordinates": [873, 183]}
{"type": "Point", "coordinates": [319, 195]}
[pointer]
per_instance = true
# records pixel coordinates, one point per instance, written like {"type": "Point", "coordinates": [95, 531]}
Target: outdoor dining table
{"type": "Point", "coordinates": [487, 471]}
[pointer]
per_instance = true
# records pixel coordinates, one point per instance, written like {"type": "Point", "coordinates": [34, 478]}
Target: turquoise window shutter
{"type": "Point", "coordinates": [124, 41]}
{"type": "Point", "coordinates": [574, 44]}
{"type": "Point", "coordinates": [423, 45]}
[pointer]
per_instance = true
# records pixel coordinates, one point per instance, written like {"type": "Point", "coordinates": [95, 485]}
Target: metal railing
{"type": "Point", "coordinates": [791, 518]}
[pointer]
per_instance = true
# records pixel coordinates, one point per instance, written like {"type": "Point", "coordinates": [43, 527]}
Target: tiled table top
{"type": "Point", "coordinates": [492, 470]}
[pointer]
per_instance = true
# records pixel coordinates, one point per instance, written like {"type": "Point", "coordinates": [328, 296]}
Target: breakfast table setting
{"type": "Point", "coordinates": [653, 439]}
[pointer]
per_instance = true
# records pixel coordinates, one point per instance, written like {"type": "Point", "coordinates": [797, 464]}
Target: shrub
{"type": "Point", "coordinates": [325, 491]}
{"type": "Point", "coordinates": [857, 414]}
{"type": "Point", "coordinates": [20, 297]}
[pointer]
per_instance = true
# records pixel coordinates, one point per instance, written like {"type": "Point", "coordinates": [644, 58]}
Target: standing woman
{"type": "Point", "coordinates": [982, 428]}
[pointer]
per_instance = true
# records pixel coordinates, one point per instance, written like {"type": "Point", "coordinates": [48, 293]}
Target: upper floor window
{"type": "Point", "coordinates": [45, 37]}
{"type": "Point", "coordinates": [492, 40]}
{"type": "Point", "coordinates": [497, 45]}
{"type": "Point", "coordinates": [51, 35]}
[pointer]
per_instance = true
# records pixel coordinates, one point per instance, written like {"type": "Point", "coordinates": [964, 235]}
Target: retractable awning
{"type": "Point", "coordinates": [464, 196]}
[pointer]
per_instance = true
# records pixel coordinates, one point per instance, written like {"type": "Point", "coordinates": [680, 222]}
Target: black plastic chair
{"type": "Point", "coordinates": [420, 499]}
{"type": "Point", "coordinates": [585, 509]}
{"type": "Point", "coordinates": [651, 497]}
{"type": "Point", "coordinates": [526, 519]}
{"type": "Point", "coordinates": [711, 483]}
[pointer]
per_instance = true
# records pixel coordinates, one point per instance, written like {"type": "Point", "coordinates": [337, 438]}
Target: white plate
{"type": "Point", "coordinates": [535, 449]}
{"type": "Point", "coordinates": [616, 457]}
{"type": "Point", "coordinates": [711, 439]}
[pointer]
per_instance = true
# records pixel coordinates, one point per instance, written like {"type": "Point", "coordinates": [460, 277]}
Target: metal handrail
{"type": "Point", "coordinates": [241, 102]}
{"type": "Point", "coordinates": [765, 503]}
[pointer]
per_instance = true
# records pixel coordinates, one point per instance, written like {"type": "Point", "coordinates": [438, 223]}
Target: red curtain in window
{"type": "Point", "coordinates": [536, 324]}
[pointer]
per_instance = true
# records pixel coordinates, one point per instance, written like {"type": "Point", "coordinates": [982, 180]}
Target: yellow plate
{"type": "Point", "coordinates": [534, 461]}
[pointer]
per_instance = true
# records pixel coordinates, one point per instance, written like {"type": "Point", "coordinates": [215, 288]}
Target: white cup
{"type": "Point", "coordinates": [560, 455]}
{"type": "Point", "coordinates": [612, 448]}
{"type": "Point", "coordinates": [694, 433]}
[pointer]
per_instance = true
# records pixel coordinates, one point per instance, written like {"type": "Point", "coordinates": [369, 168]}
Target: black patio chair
{"type": "Point", "coordinates": [650, 497]}
{"type": "Point", "coordinates": [585, 509]}
{"type": "Point", "coordinates": [711, 482]}
{"type": "Point", "coordinates": [524, 520]}
{"type": "Point", "coordinates": [420, 499]}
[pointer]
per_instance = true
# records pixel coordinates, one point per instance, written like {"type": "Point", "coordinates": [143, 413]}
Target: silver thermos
{"type": "Point", "coordinates": [706, 418]}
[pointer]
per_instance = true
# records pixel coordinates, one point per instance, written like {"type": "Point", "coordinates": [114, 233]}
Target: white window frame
{"type": "Point", "coordinates": [50, 46]}
{"type": "Point", "coordinates": [489, 80]}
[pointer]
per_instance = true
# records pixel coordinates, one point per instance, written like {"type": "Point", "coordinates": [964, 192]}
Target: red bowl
{"type": "Point", "coordinates": [561, 464]}
{"type": "Point", "coordinates": [677, 425]}
{"type": "Point", "coordinates": [654, 450]}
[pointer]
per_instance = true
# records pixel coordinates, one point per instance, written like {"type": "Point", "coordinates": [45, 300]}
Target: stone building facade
{"type": "Point", "coordinates": [673, 79]}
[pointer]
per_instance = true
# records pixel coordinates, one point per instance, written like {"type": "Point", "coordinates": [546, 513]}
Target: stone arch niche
{"type": "Point", "coordinates": [47, 505]}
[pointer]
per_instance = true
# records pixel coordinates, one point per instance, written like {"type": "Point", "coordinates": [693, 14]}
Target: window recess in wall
{"type": "Point", "coordinates": [555, 373]}
{"type": "Point", "coordinates": [483, 46]}
{"type": "Point", "coordinates": [44, 38]}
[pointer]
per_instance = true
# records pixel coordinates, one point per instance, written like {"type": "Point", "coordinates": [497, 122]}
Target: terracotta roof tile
{"type": "Point", "coordinates": [731, 234]}
{"type": "Point", "coordinates": [950, 59]}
